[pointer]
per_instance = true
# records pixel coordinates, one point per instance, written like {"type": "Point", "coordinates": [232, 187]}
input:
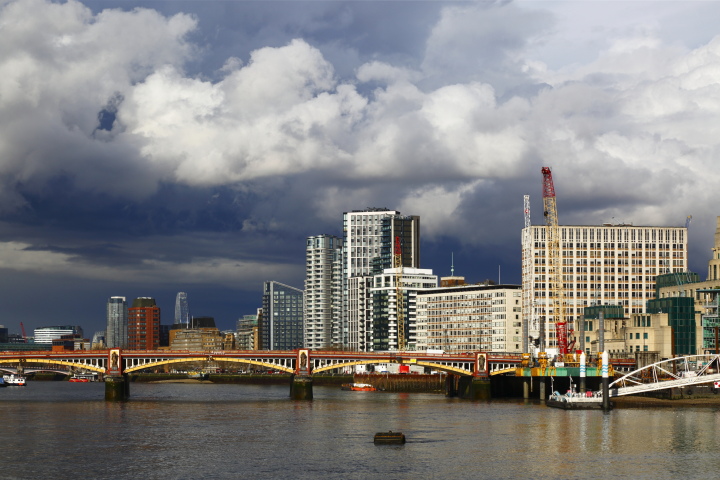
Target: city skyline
{"type": "Point", "coordinates": [197, 150]}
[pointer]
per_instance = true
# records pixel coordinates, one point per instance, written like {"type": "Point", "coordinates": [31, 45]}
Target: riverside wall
{"type": "Point", "coordinates": [410, 383]}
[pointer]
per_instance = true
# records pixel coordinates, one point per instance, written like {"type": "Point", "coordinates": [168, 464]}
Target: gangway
{"type": "Point", "coordinates": [670, 373]}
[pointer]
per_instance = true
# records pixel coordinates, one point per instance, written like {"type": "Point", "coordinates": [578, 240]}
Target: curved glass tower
{"type": "Point", "coordinates": [182, 314]}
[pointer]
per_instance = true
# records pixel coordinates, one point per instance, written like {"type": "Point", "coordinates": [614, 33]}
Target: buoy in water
{"type": "Point", "coordinates": [389, 437]}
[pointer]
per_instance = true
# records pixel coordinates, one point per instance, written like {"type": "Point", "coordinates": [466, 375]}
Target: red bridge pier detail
{"type": "Point", "coordinates": [301, 383]}
{"type": "Point", "coordinates": [117, 387]}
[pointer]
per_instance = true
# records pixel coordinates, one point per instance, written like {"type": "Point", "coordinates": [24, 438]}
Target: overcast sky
{"type": "Point", "coordinates": [148, 148]}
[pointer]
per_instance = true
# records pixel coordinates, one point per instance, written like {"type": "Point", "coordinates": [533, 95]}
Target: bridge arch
{"type": "Point", "coordinates": [456, 369]}
{"type": "Point", "coordinates": [83, 363]}
{"type": "Point", "coordinates": [275, 366]}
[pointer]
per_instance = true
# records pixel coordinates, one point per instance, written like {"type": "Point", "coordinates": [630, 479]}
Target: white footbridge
{"type": "Point", "coordinates": [672, 373]}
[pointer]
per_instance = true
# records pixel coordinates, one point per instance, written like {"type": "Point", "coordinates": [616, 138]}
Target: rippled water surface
{"type": "Point", "coordinates": [56, 430]}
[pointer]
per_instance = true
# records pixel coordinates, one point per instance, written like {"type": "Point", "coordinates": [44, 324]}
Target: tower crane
{"type": "Point", "coordinates": [554, 268]}
{"type": "Point", "coordinates": [399, 299]}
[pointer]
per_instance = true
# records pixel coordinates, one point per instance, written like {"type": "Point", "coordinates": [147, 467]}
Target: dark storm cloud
{"type": "Point", "coordinates": [152, 147]}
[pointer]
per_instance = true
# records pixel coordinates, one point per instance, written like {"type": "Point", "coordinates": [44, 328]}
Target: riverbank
{"type": "Point", "coordinates": [631, 401]}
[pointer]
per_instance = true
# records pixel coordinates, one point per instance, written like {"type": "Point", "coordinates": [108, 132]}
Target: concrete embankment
{"type": "Point", "coordinates": [404, 383]}
{"type": "Point", "coordinates": [260, 379]}
{"type": "Point", "coordinates": [391, 383]}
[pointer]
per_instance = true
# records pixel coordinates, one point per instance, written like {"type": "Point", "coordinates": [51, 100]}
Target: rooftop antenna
{"type": "Point", "coordinates": [452, 264]}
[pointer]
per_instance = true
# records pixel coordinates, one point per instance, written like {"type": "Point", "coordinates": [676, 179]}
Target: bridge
{"type": "Point", "coordinates": [672, 373]}
{"type": "Point", "coordinates": [115, 364]}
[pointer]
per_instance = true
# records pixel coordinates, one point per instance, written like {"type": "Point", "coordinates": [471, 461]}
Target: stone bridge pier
{"type": "Point", "coordinates": [475, 387]}
{"type": "Point", "coordinates": [301, 383]}
{"type": "Point", "coordinates": [117, 386]}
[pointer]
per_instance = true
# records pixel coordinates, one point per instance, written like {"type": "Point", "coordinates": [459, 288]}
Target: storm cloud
{"type": "Point", "coordinates": [166, 146]}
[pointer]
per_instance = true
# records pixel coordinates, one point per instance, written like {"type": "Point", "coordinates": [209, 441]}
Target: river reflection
{"type": "Point", "coordinates": [63, 430]}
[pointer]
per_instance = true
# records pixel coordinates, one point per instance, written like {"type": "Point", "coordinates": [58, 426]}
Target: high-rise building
{"type": "Point", "coordinates": [182, 313]}
{"type": "Point", "coordinates": [369, 239]}
{"type": "Point", "coordinates": [381, 330]}
{"type": "Point", "coordinates": [601, 265]}
{"type": "Point", "coordinates": [117, 323]}
{"type": "Point", "coordinates": [322, 254]}
{"type": "Point", "coordinates": [143, 324]}
{"type": "Point", "coordinates": [282, 325]}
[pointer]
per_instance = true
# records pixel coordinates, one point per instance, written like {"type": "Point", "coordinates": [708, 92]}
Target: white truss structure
{"type": "Point", "coordinates": [672, 373]}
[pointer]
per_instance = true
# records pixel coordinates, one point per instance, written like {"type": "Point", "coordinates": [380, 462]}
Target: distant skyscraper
{"type": "Point", "coordinates": [321, 253]}
{"type": "Point", "coordinates": [182, 313]}
{"type": "Point", "coordinates": [282, 326]}
{"type": "Point", "coordinates": [117, 323]}
{"type": "Point", "coordinates": [144, 324]}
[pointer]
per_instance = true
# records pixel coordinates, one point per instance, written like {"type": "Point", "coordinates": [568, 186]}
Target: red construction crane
{"type": "Point", "coordinates": [22, 328]}
{"type": "Point", "coordinates": [554, 267]}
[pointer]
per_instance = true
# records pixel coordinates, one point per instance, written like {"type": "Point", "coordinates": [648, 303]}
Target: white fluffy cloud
{"type": "Point", "coordinates": [633, 126]}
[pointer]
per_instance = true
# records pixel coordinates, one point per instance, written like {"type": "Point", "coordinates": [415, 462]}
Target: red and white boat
{"type": "Point", "coordinates": [76, 379]}
{"type": "Point", "coordinates": [13, 380]}
{"type": "Point", "coordinates": [358, 387]}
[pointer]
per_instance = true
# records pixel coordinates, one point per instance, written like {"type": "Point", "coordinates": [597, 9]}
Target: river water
{"type": "Point", "coordinates": [59, 430]}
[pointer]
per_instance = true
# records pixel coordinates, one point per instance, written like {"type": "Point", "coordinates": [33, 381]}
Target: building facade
{"type": "Point", "coordinates": [605, 264]}
{"type": "Point", "coordinates": [144, 324]}
{"type": "Point", "coordinates": [182, 311]}
{"type": "Point", "coordinates": [382, 329]}
{"type": "Point", "coordinates": [322, 253]}
{"type": "Point", "coordinates": [247, 332]}
{"type": "Point", "coordinates": [369, 240]}
{"type": "Point", "coordinates": [46, 335]}
{"type": "Point", "coordinates": [282, 317]}
{"type": "Point", "coordinates": [470, 318]}
{"type": "Point", "coordinates": [116, 333]}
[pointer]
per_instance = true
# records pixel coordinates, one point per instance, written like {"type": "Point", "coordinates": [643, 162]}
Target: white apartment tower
{"type": "Point", "coordinates": [369, 238]}
{"type": "Point", "coordinates": [322, 255]}
{"type": "Point", "coordinates": [604, 264]}
{"type": "Point", "coordinates": [381, 330]}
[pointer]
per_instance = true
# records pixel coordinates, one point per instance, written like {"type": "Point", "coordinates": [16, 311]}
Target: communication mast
{"type": "Point", "coordinates": [554, 268]}
{"type": "Point", "coordinates": [399, 300]}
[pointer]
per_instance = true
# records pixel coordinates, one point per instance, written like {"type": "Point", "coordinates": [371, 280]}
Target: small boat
{"type": "Point", "coordinates": [198, 375]}
{"type": "Point", "coordinates": [13, 380]}
{"type": "Point", "coordinates": [78, 379]}
{"type": "Point", "coordinates": [358, 387]}
{"type": "Point", "coordinates": [576, 401]}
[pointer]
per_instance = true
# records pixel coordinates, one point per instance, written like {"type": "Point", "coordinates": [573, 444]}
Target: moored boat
{"type": "Point", "coordinates": [198, 375]}
{"type": "Point", "coordinates": [13, 380]}
{"type": "Point", "coordinates": [576, 401]}
{"type": "Point", "coordinates": [358, 387]}
{"type": "Point", "coordinates": [77, 379]}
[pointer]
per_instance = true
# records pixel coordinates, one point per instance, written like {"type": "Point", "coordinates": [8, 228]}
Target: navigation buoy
{"type": "Point", "coordinates": [389, 437]}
